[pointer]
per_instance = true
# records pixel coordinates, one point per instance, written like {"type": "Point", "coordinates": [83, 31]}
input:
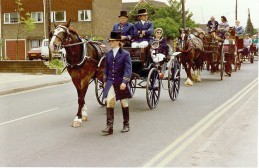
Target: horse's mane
{"type": "Point", "coordinates": [71, 30]}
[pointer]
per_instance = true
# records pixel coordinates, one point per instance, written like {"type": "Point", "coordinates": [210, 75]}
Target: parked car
{"type": "Point", "coordinates": [45, 50]}
{"type": "Point", "coordinates": [35, 53]}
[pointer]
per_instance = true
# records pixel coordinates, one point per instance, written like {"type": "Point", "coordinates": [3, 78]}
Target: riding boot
{"type": "Point", "coordinates": [110, 119]}
{"type": "Point", "coordinates": [125, 113]}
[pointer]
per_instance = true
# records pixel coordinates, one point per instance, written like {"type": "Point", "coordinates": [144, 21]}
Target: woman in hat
{"type": "Point", "coordinates": [162, 48]}
{"type": "Point", "coordinates": [143, 30]}
{"type": "Point", "coordinates": [126, 28]}
{"type": "Point", "coordinates": [117, 74]}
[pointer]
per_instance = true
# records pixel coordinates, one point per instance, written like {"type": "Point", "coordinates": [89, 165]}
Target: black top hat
{"type": "Point", "coordinates": [123, 13]}
{"type": "Point", "coordinates": [142, 12]}
{"type": "Point", "coordinates": [115, 35]}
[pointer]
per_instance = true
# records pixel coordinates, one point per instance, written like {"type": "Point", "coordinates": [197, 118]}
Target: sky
{"type": "Point", "coordinates": [203, 9]}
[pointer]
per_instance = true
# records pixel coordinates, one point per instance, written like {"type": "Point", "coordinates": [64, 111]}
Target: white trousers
{"type": "Point", "coordinates": [142, 44]}
{"type": "Point", "coordinates": [111, 98]}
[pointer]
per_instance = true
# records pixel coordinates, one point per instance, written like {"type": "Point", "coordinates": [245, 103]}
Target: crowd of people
{"type": "Point", "coordinates": [241, 41]}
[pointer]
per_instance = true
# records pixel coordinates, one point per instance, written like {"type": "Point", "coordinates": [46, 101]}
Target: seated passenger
{"type": "Point", "coordinates": [143, 30]}
{"type": "Point", "coordinates": [223, 27]}
{"type": "Point", "coordinates": [247, 43]}
{"type": "Point", "coordinates": [159, 45]}
{"type": "Point", "coordinates": [126, 28]}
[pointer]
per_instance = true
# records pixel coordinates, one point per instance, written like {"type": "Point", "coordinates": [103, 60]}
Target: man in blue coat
{"type": "Point", "coordinates": [143, 30]}
{"type": "Point", "coordinates": [117, 74]}
{"type": "Point", "coordinates": [126, 28]}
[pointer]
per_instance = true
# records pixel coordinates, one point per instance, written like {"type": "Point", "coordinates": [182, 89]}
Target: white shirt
{"type": "Point", "coordinates": [115, 51]}
{"type": "Point", "coordinates": [143, 22]}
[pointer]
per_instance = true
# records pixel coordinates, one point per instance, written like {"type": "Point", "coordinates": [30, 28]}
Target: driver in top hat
{"type": "Point", "coordinates": [143, 30]}
{"type": "Point", "coordinates": [126, 28]}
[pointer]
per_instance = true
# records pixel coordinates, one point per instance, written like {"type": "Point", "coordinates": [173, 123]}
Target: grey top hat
{"type": "Point", "coordinates": [115, 35]}
{"type": "Point", "coordinates": [142, 12]}
{"type": "Point", "coordinates": [123, 13]}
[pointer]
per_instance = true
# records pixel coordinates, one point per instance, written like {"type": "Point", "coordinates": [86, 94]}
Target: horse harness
{"type": "Point", "coordinates": [83, 41]}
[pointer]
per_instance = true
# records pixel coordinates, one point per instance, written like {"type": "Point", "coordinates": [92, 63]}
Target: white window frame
{"type": "Point", "coordinates": [35, 41]}
{"type": "Point", "coordinates": [9, 18]}
{"type": "Point", "coordinates": [37, 14]}
{"type": "Point", "coordinates": [85, 12]}
{"type": "Point", "coordinates": [53, 16]}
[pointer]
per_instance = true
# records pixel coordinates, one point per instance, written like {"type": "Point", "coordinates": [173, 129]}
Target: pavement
{"type": "Point", "coordinates": [17, 82]}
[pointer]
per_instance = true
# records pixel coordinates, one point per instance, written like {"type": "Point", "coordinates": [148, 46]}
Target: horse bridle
{"type": "Point", "coordinates": [69, 45]}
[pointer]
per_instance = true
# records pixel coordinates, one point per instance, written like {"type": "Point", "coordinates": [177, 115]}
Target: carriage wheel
{"type": "Point", "coordinates": [133, 84]}
{"type": "Point", "coordinates": [99, 91]}
{"type": "Point", "coordinates": [153, 88]}
{"type": "Point", "coordinates": [222, 65]}
{"type": "Point", "coordinates": [252, 58]}
{"type": "Point", "coordinates": [239, 60]}
{"type": "Point", "coordinates": [174, 80]}
{"type": "Point", "coordinates": [235, 62]}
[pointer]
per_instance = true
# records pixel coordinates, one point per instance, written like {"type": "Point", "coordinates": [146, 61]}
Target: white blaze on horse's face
{"type": "Point", "coordinates": [56, 38]}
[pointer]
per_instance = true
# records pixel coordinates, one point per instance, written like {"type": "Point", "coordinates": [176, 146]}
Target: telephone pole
{"type": "Point", "coordinates": [236, 10]}
{"type": "Point", "coordinates": [48, 22]}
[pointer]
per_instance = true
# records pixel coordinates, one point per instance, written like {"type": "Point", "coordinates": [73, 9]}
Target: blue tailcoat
{"type": "Point", "coordinates": [117, 70]}
{"type": "Point", "coordinates": [148, 27]}
{"type": "Point", "coordinates": [126, 30]}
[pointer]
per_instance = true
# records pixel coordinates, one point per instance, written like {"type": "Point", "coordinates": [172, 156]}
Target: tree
{"type": "Point", "coordinates": [26, 24]}
{"type": "Point", "coordinates": [249, 26]}
{"type": "Point", "coordinates": [168, 18]}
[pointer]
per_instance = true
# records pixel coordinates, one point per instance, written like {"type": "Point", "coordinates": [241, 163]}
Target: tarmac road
{"type": "Point", "coordinates": [207, 126]}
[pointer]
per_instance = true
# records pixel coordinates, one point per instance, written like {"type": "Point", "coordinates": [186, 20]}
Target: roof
{"type": "Point", "coordinates": [127, 5]}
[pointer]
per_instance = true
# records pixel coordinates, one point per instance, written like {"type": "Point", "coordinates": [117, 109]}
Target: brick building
{"type": "Point", "coordinates": [88, 18]}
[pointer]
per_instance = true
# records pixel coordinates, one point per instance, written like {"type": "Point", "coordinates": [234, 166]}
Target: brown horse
{"type": "Point", "coordinates": [191, 57]}
{"type": "Point", "coordinates": [81, 59]}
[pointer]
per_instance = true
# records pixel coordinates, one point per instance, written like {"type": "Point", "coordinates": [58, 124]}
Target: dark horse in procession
{"type": "Point", "coordinates": [84, 60]}
{"type": "Point", "coordinates": [191, 58]}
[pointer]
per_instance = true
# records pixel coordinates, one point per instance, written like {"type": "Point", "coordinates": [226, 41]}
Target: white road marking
{"type": "Point", "coordinates": [25, 117]}
{"type": "Point", "coordinates": [196, 130]}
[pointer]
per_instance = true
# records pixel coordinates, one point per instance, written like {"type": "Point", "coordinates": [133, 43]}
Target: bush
{"type": "Point", "coordinates": [58, 64]}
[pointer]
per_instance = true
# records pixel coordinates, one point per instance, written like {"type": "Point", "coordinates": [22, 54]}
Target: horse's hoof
{"type": "Point", "coordinates": [76, 124]}
{"type": "Point", "coordinates": [84, 117]}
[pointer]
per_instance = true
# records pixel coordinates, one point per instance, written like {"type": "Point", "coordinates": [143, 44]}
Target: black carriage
{"type": "Point", "coordinates": [148, 75]}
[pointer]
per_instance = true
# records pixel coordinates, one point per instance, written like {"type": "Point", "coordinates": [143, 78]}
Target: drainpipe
{"type": "Point", "coordinates": [1, 52]}
{"type": "Point", "coordinates": [44, 20]}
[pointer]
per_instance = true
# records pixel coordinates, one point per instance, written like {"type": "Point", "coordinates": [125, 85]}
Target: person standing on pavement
{"type": "Point", "coordinates": [143, 30]}
{"type": "Point", "coordinates": [126, 28]}
{"type": "Point", "coordinates": [117, 74]}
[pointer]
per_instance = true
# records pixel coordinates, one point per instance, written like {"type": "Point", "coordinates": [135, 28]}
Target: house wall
{"type": "Point", "coordinates": [104, 16]}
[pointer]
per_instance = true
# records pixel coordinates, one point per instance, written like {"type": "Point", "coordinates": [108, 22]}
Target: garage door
{"type": "Point", "coordinates": [10, 49]}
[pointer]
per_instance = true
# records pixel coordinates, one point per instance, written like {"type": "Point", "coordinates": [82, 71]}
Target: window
{"type": "Point", "coordinates": [11, 18]}
{"type": "Point", "coordinates": [58, 16]}
{"type": "Point", "coordinates": [35, 43]}
{"type": "Point", "coordinates": [37, 16]}
{"type": "Point", "coordinates": [84, 15]}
